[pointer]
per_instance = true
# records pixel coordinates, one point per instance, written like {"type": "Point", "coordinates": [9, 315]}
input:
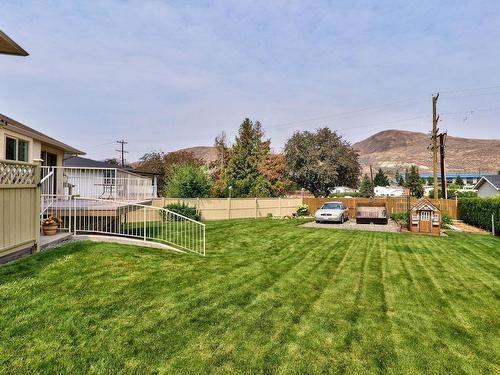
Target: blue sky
{"type": "Point", "coordinates": [170, 74]}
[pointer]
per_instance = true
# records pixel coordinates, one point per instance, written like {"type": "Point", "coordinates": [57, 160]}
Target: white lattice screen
{"type": "Point", "coordinates": [17, 174]}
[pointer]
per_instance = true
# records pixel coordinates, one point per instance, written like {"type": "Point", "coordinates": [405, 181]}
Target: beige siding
{"type": "Point", "coordinates": [19, 207]}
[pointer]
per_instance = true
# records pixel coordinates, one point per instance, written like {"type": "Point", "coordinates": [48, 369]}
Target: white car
{"type": "Point", "coordinates": [332, 211]}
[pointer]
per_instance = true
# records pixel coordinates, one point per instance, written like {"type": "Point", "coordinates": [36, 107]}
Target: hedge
{"type": "Point", "coordinates": [478, 211]}
{"type": "Point", "coordinates": [184, 210]}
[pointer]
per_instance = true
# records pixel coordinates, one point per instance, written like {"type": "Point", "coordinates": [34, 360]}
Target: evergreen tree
{"type": "Point", "coordinates": [414, 182]}
{"type": "Point", "coordinates": [380, 178]}
{"type": "Point", "coordinates": [459, 181]}
{"type": "Point", "coordinates": [245, 157]}
{"type": "Point", "coordinates": [396, 177]}
{"type": "Point", "coordinates": [401, 181]}
{"type": "Point", "coordinates": [366, 188]}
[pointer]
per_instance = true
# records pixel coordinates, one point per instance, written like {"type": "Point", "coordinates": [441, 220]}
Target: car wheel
{"type": "Point", "coordinates": [317, 221]}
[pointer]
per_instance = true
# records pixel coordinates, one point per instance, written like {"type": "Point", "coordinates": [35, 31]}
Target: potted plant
{"type": "Point", "coordinates": [50, 225]}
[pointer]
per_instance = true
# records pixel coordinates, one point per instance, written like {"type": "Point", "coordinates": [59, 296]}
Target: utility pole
{"type": "Point", "coordinates": [122, 151]}
{"type": "Point", "coordinates": [435, 119]}
{"type": "Point", "coordinates": [442, 140]}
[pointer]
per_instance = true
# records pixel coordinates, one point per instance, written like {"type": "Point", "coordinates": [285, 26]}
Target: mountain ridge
{"type": "Point", "coordinates": [398, 149]}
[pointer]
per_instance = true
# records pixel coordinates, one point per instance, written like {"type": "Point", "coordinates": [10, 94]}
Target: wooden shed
{"type": "Point", "coordinates": [425, 218]}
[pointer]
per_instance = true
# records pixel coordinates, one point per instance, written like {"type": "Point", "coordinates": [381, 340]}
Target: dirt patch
{"type": "Point", "coordinates": [460, 226]}
{"type": "Point", "coordinates": [391, 226]}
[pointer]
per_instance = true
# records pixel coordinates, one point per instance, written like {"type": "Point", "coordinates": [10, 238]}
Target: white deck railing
{"type": "Point", "coordinates": [81, 215]}
{"type": "Point", "coordinates": [101, 183]}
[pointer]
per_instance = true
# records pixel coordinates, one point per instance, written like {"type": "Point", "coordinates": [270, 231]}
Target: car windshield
{"type": "Point", "coordinates": [331, 206]}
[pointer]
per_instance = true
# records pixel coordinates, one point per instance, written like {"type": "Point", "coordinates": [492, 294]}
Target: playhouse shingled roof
{"type": "Point", "coordinates": [424, 204]}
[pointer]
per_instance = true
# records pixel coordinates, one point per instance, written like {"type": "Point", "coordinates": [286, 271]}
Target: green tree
{"type": "Point", "coordinates": [188, 181]}
{"type": "Point", "coordinates": [430, 180]}
{"type": "Point", "coordinates": [414, 182]}
{"type": "Point", "coordinates": [164, 164]}
{"type": "Point", "coordinates": [459, 181]}
{"type": "Point", "coordinates": [381, 179]}
{"type": "Point", "coordinates": [320, 161]}
{"type": "Point", "coordinates": [245, 157]}
{"type": "Point", "coordinates": [366, 188]}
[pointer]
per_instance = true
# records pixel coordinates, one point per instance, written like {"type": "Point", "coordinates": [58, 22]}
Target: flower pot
{"type": "Point", "coordinates": [49, 230]}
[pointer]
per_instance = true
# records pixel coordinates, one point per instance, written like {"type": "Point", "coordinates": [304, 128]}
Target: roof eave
{"type": "Point", "coordinates": [43, 139]}
{"type": "Point", "coordinates": [17, 50]}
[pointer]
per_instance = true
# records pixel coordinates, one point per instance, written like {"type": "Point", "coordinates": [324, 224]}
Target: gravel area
{"type": "Point", "coordinates": [391, 226]}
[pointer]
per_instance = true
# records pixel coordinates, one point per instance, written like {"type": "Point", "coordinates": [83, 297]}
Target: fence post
{"type": "Point", "coordinates": [229, 208]}
{"type": "Point", "coordinates": [38, 199]}
{"type": "Point", "coordinates": [492, 224]}
{"type": "Point", "coordinates": [144, 210]}
{"type": "Point", "coordinates": [279, 200]}
{"type": "Point", "coordinates": [74, 218]}
{"type": "Point", "coordinates": [256, 207]}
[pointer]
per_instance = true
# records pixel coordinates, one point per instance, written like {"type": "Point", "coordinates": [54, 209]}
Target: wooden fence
{"type": "Point", "coordinates": [237, 208]}
{"type": "Point", "coordinates": [394, 204]}
{"type": "Point", "coordinates": [19, 206]}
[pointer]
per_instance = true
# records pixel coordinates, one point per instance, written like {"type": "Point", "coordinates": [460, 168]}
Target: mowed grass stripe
{"type": "Point", "coordinates": [259, 317]}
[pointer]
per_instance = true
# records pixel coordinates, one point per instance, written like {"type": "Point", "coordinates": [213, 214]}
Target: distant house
{"type": "Point", "coordinates": [343, 189]}
{"type": "Point", "coordinates": [389, 191]}
{"type": "Point", "coordinates": [100, 179]}
{"type": "Point", "coordinates": [467, 178]}
{"type": "Point", "coordinates": [488, 186]}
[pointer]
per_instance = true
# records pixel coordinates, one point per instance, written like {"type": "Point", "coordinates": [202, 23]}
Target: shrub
{"type": "Point", "coordinates": [188, 181]}
{"type": "Point", "coordinates": [446, 219]}
{"type": "Point", "coordinates": [451, 194]}
{"type": "Point", "coordinates": [303, 210]}
{"type": "Point", "coordinates": [184, 210]}
{"type": "Point", "coordinates": [478, 211]}
{"type": "Point", "coordinates": [341, 195]}
{"type": "Point", "coordinates": [399, 216]}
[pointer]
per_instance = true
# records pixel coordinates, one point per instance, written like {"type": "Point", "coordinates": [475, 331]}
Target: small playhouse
{"type": "Point", "coordinates": [425, 218]}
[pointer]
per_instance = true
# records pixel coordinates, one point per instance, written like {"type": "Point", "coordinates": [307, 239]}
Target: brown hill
{"type": "Point", "coordinates": [397, 149]}
{"type": "Point", "coordinates": [206, 153]}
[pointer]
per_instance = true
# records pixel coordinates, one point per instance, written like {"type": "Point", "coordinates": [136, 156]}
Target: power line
{"type": "Point", "coordinates": [471, 89]}
{"type": "Point", "coordinates": [347, 113]}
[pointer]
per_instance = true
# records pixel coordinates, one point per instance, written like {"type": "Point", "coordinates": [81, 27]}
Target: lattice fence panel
{"type": "Point", "coordinates": [17, 174]}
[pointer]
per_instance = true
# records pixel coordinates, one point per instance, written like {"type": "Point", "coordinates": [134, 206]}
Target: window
{"type": "Point", "coordinates": [425, 215]}
{"type": "Point", "coordinates": [10, 148]}
{"type": "Point", "coordinates": [22, 150]}
{"type": "Point", "coordinates": [16, 149]}
{"type": "Point", "coordinates": [332, 206]}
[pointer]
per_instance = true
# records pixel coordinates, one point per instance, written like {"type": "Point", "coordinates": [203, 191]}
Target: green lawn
{"type": "Point", "coordinates": [269, 297]}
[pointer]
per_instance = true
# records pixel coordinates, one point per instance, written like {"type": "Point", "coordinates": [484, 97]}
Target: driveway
{"type": "Point", "coordinates": [391, 226]}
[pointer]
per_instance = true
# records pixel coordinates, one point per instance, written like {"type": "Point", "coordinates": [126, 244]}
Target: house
{"type": "Point", "coordinates": [425, 218]}
{"type": "Point", "coordinates": [99, 179]}
{"type": "Point", "coordinates": [467, 178]}
{"type": "Point", "coordinates": [9, 47]}
{"type": "Point", "coordinates": [389, 191]}
{"type": "Point", "coordinates": [342, 190]}
{"type": "Point", "coordinates": [19, 142]}
{"type": "Point", "coordinates": [488, 186]}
